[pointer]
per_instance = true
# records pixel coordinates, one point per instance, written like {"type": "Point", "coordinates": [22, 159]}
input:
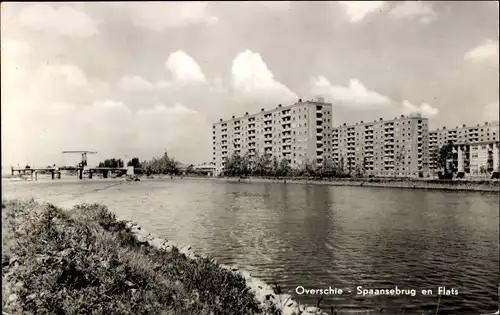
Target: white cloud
{"type": "Point", "coordinates": [275, 5]}
{"type": "Point", "coordinates": [358, 10]}
{"type": "Point", "coordinates": [487, 51]}
{"type": "Point", "coordinates": [68, 74]}
{"type": "Point", "coordinates": [184, 68]}
{"type": "Point", "coordinates": [135, 83]}
{"type": "Point", "coordinates": [164, 84]}
{"type": "Point", "coordinates": [491, 112]}
{"type": "Point", "coordinates": [12, 49]}
{"type": "Point", "coordinates": [177, 109]}
{"type": "Point", "coordinates": [65, 20]}
{"type": "Point", "coordinates": [425, 109]}
{"type": "Point", "coordinates": [252, 77]}
{"type": "Point", "coordinates": [158, 16]}
{"type": "Point", "coordinates": [15, 56]}
{"type": "Point", "coordinates": [55, 83]}
{"type": "Point", "coordinates": [414, 9]}
{"type": "Point", "coordinates": [355, 94]}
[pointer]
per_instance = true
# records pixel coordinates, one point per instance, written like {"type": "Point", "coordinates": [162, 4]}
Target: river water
{"type": "Point", "coordinates": [318, 236]}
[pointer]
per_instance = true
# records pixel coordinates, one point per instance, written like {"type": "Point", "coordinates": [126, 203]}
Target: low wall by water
{"type": "Point", "coordinates": [263, 292]}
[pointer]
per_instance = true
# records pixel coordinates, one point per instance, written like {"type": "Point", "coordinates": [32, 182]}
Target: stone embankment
{"type": "Point", "coordinates": [264, 293]}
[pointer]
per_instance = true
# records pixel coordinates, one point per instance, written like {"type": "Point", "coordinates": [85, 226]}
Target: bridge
{"type": "Point", "coordinates": [56, 171]}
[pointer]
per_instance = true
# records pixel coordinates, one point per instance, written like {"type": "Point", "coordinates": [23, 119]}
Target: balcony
{"type": "Point", "coordinates": [286, 149]}
{"type": "Point", "coordinates": [287, 127]}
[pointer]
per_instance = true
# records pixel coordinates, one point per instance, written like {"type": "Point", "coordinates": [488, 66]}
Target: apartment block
{"type": "Point", "coordinates": [397, 147]}
{"type": "Point", "coordinates": [475, 147]}
{"type": "Point", "coordinates": [299, 133]}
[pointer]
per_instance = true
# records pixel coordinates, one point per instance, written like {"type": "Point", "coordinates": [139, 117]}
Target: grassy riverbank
{"type": "Point", "coordinates": [84, 261]}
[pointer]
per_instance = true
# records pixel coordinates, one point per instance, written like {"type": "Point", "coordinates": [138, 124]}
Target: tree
{"type": "Point", "coordinates": [483, 169]}
{"type": "Point", "coordinates": [284, 168]}
{"type": "Point", "coordinates": [309, 169]}
{"type": "Point", "coordinates": [327, 169]}
{"type": "Point", "coordinates": [112, 163]}
{"type": "Point", "coordinates": [444, 155]}
{"type": "Point", "coordinates": [163, 165]}
{"type": "Point", "coordinates": [247, 165]}
{"type": "Point", "coordinates": [263, 165]}
{"type": "Point", "coordinates": [134, 162]}
{"type": "Point", "coordinates": [275, 164]}
{"type": "Point", "coordinates": [237, 165]}
{"type": "Point", "coordinates": [341, 166]}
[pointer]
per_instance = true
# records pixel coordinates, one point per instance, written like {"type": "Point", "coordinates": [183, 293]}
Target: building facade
{"type": "Point", "coordinates": [299, 133]}
{"type": "Point", "coordinates": [397, 147]}
{"type": "Point", "coordinates": [475, 150]}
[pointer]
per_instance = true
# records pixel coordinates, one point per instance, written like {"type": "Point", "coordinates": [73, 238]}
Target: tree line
{"type": "Point", "coordinates": [264, 165]}
{"type": "Point", "coordinates": [157, 165]}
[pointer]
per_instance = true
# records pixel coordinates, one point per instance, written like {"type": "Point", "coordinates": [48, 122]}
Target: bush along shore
{"type": "Point", "coordinates": [85, 261]}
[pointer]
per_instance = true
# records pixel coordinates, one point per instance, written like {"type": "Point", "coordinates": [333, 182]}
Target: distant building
{"type": "Point", "coordinates": [299, 133]}
{"type": "Point", "coordinates": [200, 169]}
{"type": "Point", "coordinates": [476, 148]}
{"type": "Point", "coordinates": [205, 169]}
{"type": "Point", "coordinates": [396, 147]}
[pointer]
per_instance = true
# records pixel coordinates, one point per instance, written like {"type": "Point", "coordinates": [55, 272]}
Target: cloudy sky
{"type": "Point", "coordinates": [136, 79]}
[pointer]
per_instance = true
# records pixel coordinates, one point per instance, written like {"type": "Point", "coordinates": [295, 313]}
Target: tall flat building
{"type": "Point", "coordinates": [397, 147]}
{"type": "Point", "coordinates": [299, 133]}
{"type": "Point", "coordinates": [476, 149]}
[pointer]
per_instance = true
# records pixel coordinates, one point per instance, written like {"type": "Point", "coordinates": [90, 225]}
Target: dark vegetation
{"type": "Point", "coordinates": [158, 165]}
{"type": "Point", "coordinates": [84, 261]}
{"type": "Point", "coordinates": [112, 163]}
{"type": "Point", "coordinates": [264, 166]}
